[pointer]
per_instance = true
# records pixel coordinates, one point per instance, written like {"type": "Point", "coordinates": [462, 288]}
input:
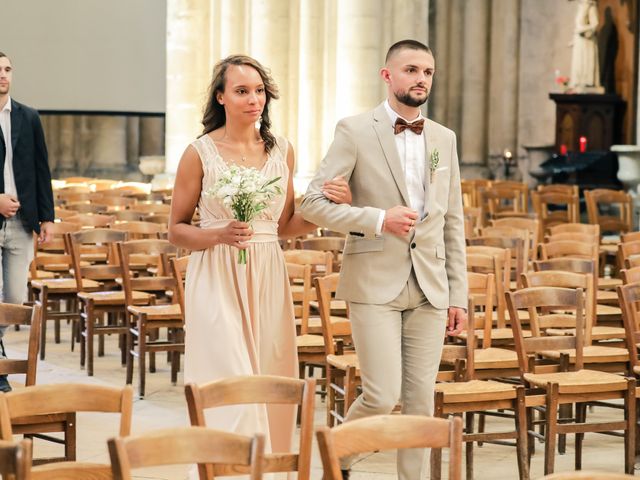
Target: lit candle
{"type": "Point", "coordinates": [563, 149]}
{"type": "Point", "coordinates": [583, 144]}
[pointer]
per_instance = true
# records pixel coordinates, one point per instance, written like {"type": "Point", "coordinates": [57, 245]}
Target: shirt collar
{"type": "Point", "coordinates": [7, 106]}
{"type": "Point", "coordinates": [393, 116]}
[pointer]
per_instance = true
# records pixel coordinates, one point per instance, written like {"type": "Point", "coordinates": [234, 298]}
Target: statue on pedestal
{"type": "Point", "coordinates": [585, 70]}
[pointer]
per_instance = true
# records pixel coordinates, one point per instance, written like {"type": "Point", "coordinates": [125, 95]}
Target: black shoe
{"type": "Point", "coordinates": [345, 474]}
{"type": "Point", "coordinates": [4, 384]}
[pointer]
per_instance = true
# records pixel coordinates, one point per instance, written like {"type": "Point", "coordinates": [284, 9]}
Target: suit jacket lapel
{"type": "Point", "coordinates": [429, 145]}
{"type": "Point", "coordinates": [384, 131]}
{"type": "Point", "coordinates": [16, 123]}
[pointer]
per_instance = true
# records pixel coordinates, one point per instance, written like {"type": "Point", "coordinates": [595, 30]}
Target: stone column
{"type": "Point", "coordinates": [472, 136]}
{"type": "Point", "coordinates": [151, 136]}
{"type": "Point", "coordinates": [188, 72]}
{"type": "Point", "coordinates": [109, 146]}
{"type": "Point", "coordinates": [133, 145]}
{"type": "Point", "coordinates": [504, 75]}
{"type": "Point", "coordinates": [67, 163]}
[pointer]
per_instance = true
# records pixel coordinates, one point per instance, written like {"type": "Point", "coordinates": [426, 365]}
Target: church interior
{"type": "Point", "coordinates": [540, 98]}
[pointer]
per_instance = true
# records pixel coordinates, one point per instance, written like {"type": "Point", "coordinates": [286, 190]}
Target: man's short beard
{"type": "Point", "coordinates": [406, 99]}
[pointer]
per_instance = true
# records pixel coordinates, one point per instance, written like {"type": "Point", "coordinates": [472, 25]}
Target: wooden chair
{"type": "Point", "coordinates": [532, 225]}
{"type": "Point", "coordinates": [15, 460]}
{"type": "Point", "coordinates": [151, 208]}
{"type": "Point", "coordinates": [28, 316]}
{"type": "Point", "coordinates": [184, 445]}
{"type": "Point", "coordinates": [21, 412]}
{"type": "Point", "coordinates": [576, 386]}
{"type": "Point", "coordinates": [556, 208]}
{"type": "Point", "coordinates": [126, 216]}
{"type": "Point", "coordinates": [138, 230]}
{"type": "Point", "coordinates": [476, 396]}
{"type": "Point", "coordinates": [262, 389]}
{"type": "Point", "coordinates": [626, 251]}
{"type": "Point", "coordinates": [143, 334]}
{"type": "Point", "coordinates": [342, 367]}
{"type": "Point", "coordinates": [494, 260]}
{"type": "Point", "coordinates": [629, 297]}
{"type": "Point", "coordinates": [389, 432]}
{"type": "Point", "coordinates": [558, 187]}
{"type": "Point", "coordinates": [630, 237]}
{"type": "Point", "coordinates": [335, 245]}
{"type": "Point", "coordinates": [618, 206]}
{"type": "Point", "coordinates": [473, 220]}
{"type": "Point", "coordinates": [586, 266]}
{"type": "Point", "coordinates": [518, 249]}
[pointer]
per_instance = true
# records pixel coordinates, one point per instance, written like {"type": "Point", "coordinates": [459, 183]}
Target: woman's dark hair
{"type": "Point", "coordinates": [214, 115]}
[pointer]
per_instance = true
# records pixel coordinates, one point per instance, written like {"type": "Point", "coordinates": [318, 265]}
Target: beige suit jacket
{"type": "Point", "coordinates": [376, 268]}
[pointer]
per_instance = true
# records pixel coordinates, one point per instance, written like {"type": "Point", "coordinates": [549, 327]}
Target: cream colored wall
{"type": "Point", "coordinates": [324, 54]}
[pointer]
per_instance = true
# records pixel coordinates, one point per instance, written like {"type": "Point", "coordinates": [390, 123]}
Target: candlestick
{"type": "Point", "coordinates": [583, 144]}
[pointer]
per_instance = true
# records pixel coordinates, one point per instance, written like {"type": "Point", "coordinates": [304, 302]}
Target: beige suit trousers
{"type": "Point", "coordinates": [399, 345]}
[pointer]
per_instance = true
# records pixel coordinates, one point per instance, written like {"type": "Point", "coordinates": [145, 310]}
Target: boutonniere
{"type": "Point", "coordinates": [433, 163]}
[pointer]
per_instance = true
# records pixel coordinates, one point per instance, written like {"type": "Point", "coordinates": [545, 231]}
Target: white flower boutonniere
{"type": "Point", "coordinates": [433, 164]}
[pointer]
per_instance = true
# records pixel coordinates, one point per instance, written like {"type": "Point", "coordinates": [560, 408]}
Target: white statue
{"type": "Point", "coordinates": [585, 69]}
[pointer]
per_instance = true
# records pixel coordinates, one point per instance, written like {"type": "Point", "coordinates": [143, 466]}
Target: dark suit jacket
{"type": "Point", "coordinates": [30, 167]}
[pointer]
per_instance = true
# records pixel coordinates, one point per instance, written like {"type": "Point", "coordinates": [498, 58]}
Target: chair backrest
{"type": "Point", "coordinates": [321, 262]}
{"type": "Point", "coordinates": [185, 445]}
{"type": "Point", "coordinates": [157, 252]}
{"type": "Point", "coordinates": [335, 245]}
{"type": "Point", "coordinates": [630, 237]}
{"type": "Point", "coordinates": [482, 290]}
{"type": "Point", "coordinates": [571, 249]}
{"type": "Point", "coordinates": [477, 261]}
{"type": "Point", "coordinates": [629, 297]}
{"type": "Point", "coordinates": [65, 398]}
{"type": "Point", "coordinates": [556, 208]}
{"type": "Point", "coordinates": [263, 389]}
{"type": "Point", "coordinates": [92, 220]}
{"type": "Point", "coordinates": [95, 242]}
{"type": "Point", "coordinates": [15, 459]}
{"type": "Point", "coordinates": [518, 245]}
{"type": "Point", "coordinates": [561, 237]}
{"type": "Point", "coordinates": [630, 275]}
{"type": "Point", "coordinates": [325, 290]}
{"type": "Point", "coordinates": [390, 432]}
{"type": "Point", "coordinates": [536, 299]}
{"type": "Point", "coordinates": [558, 278]}
{"type": "Point", "coordinates": [559, 187]}
{"type": "Point", "coordinates": [179, 269]}
{"type": "Point", "coordinates": [11, 314]}
{"type": "Point", "coordinates": [617, 217]}
{"type": "Point", "coordinates": [139, 230]}
{"type": "Point", "coordinates": [302, 299]}
{"type": "Point", "coordinates": [576, 227]}
{"type": "Point", "coordinates": [626, 251]}
{"type": "Point", "coordinates": [532, 225]}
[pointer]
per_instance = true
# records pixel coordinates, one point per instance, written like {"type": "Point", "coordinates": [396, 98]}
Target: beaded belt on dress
{"type": "Point", "coordinates": [263, 230]}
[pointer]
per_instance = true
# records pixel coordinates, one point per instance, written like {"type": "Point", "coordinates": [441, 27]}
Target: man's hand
{"type": "Point", "coordinates": [399, 220]}
{"type": "Point", "coordinates": [9, 205]}
{"type": "Point", "coordinates": [457, 321]}
{"type": "Point", "coordinates": [46, 232]}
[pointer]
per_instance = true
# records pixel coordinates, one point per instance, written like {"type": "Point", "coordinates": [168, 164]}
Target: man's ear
{"type": "Point", "coordinates": [385, 74]}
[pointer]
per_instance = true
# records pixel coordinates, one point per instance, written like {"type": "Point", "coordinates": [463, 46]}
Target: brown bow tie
{"type": "Point", "coordinates": [401, 125]}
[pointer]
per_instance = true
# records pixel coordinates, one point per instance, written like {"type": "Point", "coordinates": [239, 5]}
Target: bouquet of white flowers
{"type": "Point", "coordinates": [246, 191]}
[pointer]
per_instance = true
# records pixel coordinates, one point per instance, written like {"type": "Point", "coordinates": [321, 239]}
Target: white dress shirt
{"type": "Point", "coordinates": [411, 151]}
{"type": "Point", "coordinates": [5, 125]}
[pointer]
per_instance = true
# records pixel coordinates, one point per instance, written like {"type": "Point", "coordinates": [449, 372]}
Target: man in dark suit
{"type": "Point", "coordinates": [26, 199]}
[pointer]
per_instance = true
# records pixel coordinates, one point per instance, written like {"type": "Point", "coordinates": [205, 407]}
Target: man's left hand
{"type": "Point", "coordinates": [46, 232]}
{"type": "Point", "coordinates": [457, 321]}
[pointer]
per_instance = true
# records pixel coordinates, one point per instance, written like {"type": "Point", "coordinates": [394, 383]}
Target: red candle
{"type": "Point", "coordinates": [583, 144]}
{"type": "Point", "coordinates": [563, 149]}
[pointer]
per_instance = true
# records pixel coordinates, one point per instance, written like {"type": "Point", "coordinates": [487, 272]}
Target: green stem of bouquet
{"type": "Point", "coordinates": [242, 257]}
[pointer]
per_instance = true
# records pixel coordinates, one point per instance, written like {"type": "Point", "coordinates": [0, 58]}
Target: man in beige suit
{"type": "Point", "coordinates": [403, 271]}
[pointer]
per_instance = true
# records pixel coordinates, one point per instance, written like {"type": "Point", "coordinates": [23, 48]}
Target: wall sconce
{"type": "Point", "coordinates": [508, 161]}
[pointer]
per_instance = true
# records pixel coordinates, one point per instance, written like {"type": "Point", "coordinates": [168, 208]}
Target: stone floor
{"type": "Point", "coordinates": [164, 406]}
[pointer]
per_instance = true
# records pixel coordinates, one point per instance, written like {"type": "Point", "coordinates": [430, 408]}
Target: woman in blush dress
{"type": "Point", "coordinates": [239, 318]}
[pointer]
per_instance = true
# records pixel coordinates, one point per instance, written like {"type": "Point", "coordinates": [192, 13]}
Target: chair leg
{"type": "Point", "coordinates": [469, 422]}
{"type": "Point", "coordinates": [331, 397]}
{"type": "Point", "coordinates": [91, 318]}
{"type": "Point", "coordinates": [43, 323]}
{"type": "Point", "coordinates": [551, 427]}
{"type": "Point", "coordinates": [436, 453]}
{"type": "Point", "coordinates": [130, 357]}
{"type": "Point", "coordinates": [522, 432]}
{"type": "Point", "coordinates": [142, 352]}
{"type": "Point", "coordinates": [581, 417]}
{"type": "Point", "coordinates": [630, 439]}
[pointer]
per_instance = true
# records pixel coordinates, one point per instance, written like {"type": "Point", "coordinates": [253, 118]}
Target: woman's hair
{"type": "Point", "coordinates": [214, 115]}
